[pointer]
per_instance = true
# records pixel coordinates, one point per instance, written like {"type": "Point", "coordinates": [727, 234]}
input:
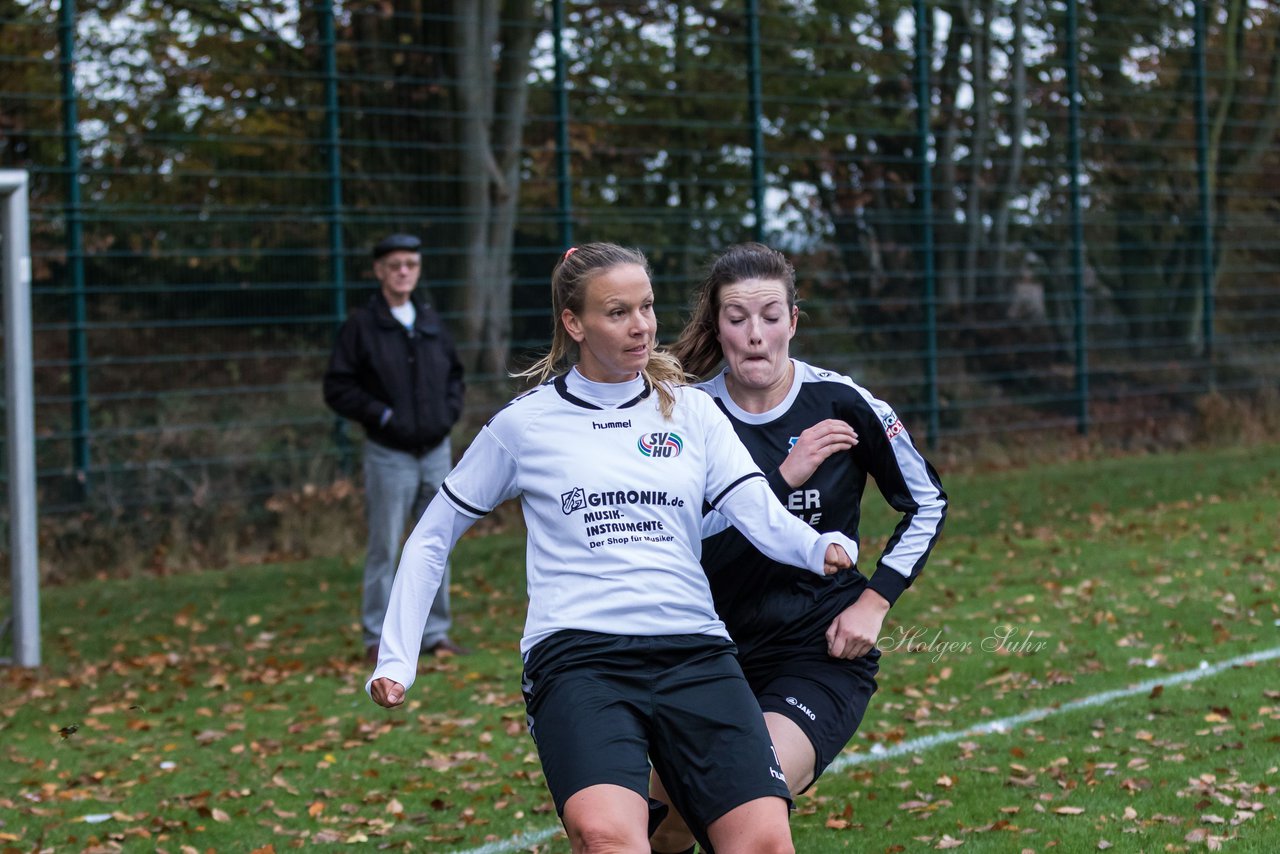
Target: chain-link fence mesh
{"type": "Point", "coordinates": [1077, 234]}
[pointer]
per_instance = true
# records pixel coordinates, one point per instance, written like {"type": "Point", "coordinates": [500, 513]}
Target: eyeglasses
{"type": "Point", "coordinates": [401, 265]}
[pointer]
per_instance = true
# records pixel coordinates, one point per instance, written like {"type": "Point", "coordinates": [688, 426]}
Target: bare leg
{"type": "Point", "coordinates": [673, 834]}
{"type": "Point", "coordinates": [756, 827]}
{"type": "Point", "coordinates": [795, 751]}
{"type": "Point", "coordinates": [607, 819]}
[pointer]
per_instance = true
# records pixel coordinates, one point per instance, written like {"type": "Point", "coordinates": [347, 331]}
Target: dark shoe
{"type": "Point", "coordinates": [444, 648]}
{"type": "Point", "coordinates": [371, 654]}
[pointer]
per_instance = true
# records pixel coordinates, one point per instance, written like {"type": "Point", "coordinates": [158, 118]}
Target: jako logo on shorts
{"type": "Point", "coordinates": [660, 445]}
{"type": "Point", "coordinates": [802, 707]}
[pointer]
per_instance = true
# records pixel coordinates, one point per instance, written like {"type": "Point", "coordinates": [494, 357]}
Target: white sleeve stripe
{"type": "Point", "coordinates": [926, 523]}
{"type": "Point", "coordinates": [904, 554]}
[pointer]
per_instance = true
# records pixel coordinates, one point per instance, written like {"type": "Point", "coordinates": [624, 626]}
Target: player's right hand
{"type": "Point", "coordinates": [813, 447]}
{"type": "Point", "coordinates": [386, 692]}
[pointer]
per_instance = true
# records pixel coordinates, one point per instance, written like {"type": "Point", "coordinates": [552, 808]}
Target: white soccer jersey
{"type": "Point", "coordinates": [613, 495]}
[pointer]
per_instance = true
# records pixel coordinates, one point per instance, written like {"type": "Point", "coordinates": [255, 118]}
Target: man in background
{"type": "Point", "coordinates": [394, 369]}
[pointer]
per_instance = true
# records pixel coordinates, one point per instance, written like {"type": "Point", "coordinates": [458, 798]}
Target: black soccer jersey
{"type": "Point", "coordinates": [764, 604]}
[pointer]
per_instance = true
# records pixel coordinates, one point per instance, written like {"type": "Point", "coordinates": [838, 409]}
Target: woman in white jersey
{"type": "Point", "coordinates": [624, 656]}
{"type": "Point", "coordinates": [806, 644]}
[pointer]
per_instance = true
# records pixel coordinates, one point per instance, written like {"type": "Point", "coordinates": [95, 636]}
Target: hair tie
{"type": "Point", "coordinates": [569, 251]}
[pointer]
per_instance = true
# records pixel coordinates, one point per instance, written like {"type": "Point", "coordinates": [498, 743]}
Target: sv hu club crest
{"type": "Point", "coordinates": [660, 444]}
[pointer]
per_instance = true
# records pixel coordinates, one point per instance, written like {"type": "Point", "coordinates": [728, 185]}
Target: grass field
{"type": "Point", "coordinates": [225, 711]}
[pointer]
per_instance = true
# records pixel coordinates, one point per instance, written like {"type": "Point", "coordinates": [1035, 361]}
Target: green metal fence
{"type": "Point", "coordinates": [1009, 219]}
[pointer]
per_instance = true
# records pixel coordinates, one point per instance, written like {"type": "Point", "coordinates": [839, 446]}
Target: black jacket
{"type": "Point", "coordinates": [377, 365]}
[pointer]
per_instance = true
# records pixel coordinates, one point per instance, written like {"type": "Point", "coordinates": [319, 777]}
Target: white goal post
{"type": "Point", "coordinates": [15, 252]}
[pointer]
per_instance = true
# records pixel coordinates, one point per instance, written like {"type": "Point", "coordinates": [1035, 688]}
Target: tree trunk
{"type": "Point", "coordinates": [981, 47]}
{"type": "Point", "coordinates": [1017, 130]}
{"type": "Point", "coordinates": [945, 198]}
{"type": "Point", "coordinates": [491, 98]}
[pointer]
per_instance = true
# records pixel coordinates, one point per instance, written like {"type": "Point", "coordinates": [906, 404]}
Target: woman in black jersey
{"type": "Point", "coordinates": [625, 660]}
{"type": "Point", "coordinates": [806, 644]}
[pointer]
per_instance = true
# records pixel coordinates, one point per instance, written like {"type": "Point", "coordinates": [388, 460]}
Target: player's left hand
{"type": "Point", "coordinates": [835, 559]}
{"type": "Point", "coordinates": [854, 632]}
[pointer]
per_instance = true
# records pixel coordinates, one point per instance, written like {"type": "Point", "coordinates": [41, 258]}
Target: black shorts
{"type": "Point", "coordinates": [600, 707]}
{"type": "Point", "coordinates": [826, 697]}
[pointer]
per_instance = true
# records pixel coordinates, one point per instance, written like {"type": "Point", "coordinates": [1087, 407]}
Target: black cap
{"type": "Point", "coordinates": [396, 243]}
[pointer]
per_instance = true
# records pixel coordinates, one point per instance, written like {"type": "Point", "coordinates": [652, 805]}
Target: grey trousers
{"type": "Point", "coordinates": [398, 487]}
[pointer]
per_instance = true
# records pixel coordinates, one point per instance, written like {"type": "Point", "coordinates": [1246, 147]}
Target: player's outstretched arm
{"type": "Point", "coordinates": [765, 522]}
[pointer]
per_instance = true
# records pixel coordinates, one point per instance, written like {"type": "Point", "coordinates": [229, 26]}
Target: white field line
{"type": "Point", "coordinates": [1003, 725]}
{"type": "Point", "coordinates": [928, 742]}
